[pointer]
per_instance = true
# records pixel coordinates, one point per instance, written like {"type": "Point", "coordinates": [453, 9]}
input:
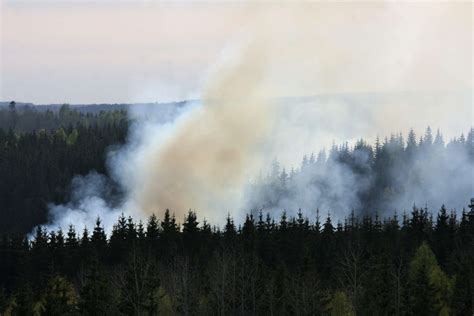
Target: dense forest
{"type": "Point", "coordinates": [31, 119]}
{"type": "Point", "coordinates": [40, 153]}
{"type": "Point", "coordinates": [291, 266]}
{"type": "Point", "coordinates": [371, 261]}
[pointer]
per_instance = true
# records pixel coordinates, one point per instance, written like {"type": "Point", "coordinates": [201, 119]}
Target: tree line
{"type": "Point", "coordinates": [413, 264]}
{"type": "Point", "coordinates": [30, 119]}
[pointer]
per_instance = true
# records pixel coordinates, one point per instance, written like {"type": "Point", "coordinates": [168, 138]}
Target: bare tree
{"type": "Point", "coordinates": [138, 283]}
{"type": "Point", "coordinates": [351, 270]}
{"type": "Point", "coordinates": [222, 276]}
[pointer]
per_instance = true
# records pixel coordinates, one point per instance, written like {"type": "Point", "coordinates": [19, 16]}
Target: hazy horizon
{"type": "Point", "coordinates": [135, 51]}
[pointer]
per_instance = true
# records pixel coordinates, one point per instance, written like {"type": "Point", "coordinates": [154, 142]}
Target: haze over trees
{"type": "Point", "coordinates": [393, 174]}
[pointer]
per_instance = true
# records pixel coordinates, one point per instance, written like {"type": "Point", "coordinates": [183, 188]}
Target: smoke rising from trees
{"type": "Point", "coordinates": [392, 175]}
{"type": "Point", "coordinates": [202, 156]}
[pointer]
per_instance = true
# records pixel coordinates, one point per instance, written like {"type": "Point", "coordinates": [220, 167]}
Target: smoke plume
{"type": "Point", "coordinates": [373, 76]}
{"type": "Point", "coordinates": [203, 159]}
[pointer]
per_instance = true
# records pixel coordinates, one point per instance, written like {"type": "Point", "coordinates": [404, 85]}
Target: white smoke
{"type": "Point", "coordinates": [201, 155]}
{"type": "Point", "coordinates": [91, 199]}
{"type": "Point", "coordinates": [352, 179]}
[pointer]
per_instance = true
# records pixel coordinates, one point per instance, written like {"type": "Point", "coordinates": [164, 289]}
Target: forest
{"type": "Point", "coordinates": [40, 153]}
{"type": "Point", "coordinates": [282, 258]}
{"type": "Point", "coordinates": [266, 266]}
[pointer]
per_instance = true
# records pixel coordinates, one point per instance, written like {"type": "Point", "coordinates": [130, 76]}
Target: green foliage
{"type": "Point", "coordinates": [340, 305]}
{"type": "Point", "coordinates": [430, 288]}
{"type": "Point", "coordinates": [60, 135]}
{"type": "Point", "coordinates": [165, 305]}
{"type": "Point", "coordinates": [97, 296]}
{"type": "Point", "coordinates": [72, 137]}
{"type": "Point", "coordinates": [59, 298]}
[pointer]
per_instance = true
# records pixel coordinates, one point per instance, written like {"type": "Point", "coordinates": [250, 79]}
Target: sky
{"type": "Point", "coordinates": [145, 51]}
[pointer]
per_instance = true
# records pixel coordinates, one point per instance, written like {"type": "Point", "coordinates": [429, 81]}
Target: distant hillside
{"type": "Point", "coordinates": [28, 117]}
{"type": "Point", "coordinates": [86, 108]}
{"type": "Point", "coordinates": [19, 105]}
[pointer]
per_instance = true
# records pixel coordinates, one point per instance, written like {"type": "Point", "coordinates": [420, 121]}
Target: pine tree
{"type": "Point", "coordinates": [169, 234]}
{"type": "Point", "coordinates": [99, 239]}
{"type": "Point", "coordinates": [442, 237]}
{"type": "Point", "coordinates": [229, 234]}
{"type": "Point", "coordinates": [191, 233]}
{"type": "Point", "coordinates": [152, 230]}
{"type": "Point", "coordinates": [428, 139]}
{"type": "Point", "coordinates": [429, 289]}
{"type": "Point", "coordinates": [438, 141]}
{"type": "Point", "coordinates": [59, 299]}
{"type": "Point", "coordinates": [97, 296]}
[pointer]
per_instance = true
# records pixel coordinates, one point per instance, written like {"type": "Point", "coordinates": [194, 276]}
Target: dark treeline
{"type": "Point", "coordinates": [30, 119]}
{"type": "Point", "coordinates": [391, 175]}
{"type": "Point", "coordinates": [412, 265]}
{"type": "Point", "coordinates": [40, 153]}
{"type": "Point", "coordinates": [93, 109]}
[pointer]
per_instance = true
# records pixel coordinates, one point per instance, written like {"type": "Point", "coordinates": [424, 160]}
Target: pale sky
{"type": "Point", "coordinates": [144, 51]}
